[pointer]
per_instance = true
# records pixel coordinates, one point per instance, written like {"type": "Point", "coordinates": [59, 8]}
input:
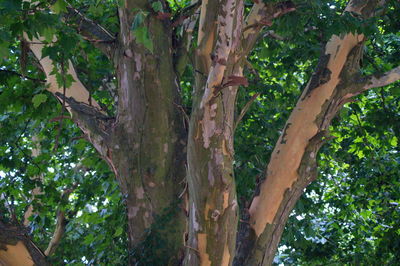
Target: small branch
{"type": "Point", "coordinates": [262, 15]}
{"type": "Point", "coordinates": [185, 13]}
{"type": "Point", "coordinates": [192, 249]}
{"type": "Point", "coordinates": [38, 178]}
{"type": "Point", "coordinates": [10, 207]}
{"type": "Point", "coordinates": [273, 35]}
{"type": "Point", "coordinates": [57, 235]}
{"type": "Point", "coordinates": [63, 104]}
{"type": "Point", "coordinates": [58, 118]}
{"type": "Point", "coordinates": [92, 31]}
{"type": "Point", "coordinates": [375, 81]}
{"type": "Point", "coordinates": [245, 109]}
{"type": "Point", "coordinates": [22, 76]}
{"type": "Point", "coordinates": [83, 108]}
{"type": "Point", "coordinates": [94, 123]}
{"type": "Point", "coordinates": [60, 225]}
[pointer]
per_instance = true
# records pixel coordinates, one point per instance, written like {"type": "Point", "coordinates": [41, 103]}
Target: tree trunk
{"type": "Point", "coordinates": [147, 147]}
{"type": "Point", "coordinates": [146, 142]}
{"type": "Point", "coordinates": [213, 208]}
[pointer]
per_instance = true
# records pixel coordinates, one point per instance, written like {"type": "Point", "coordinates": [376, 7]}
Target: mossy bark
{"type": "Point", "coordinates": [148, 143]}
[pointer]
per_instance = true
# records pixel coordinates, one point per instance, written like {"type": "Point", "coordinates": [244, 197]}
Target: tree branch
{"type": "Point", "coordinates": [292, 164]}
{"type": "Point", "coordinates": [11, 72]}
{"type": "Point", "coordinates": [262, 15]}
{"type": "Point", "coordinates": [206, 37]}
{"type": "Point", "coordinates": [76, 90]}
{"type": "Point", "coordinates": [95, 33]}
{"type": "Point", "coordinates": [57, 235]}
{"type": "Point", "coordinates": [188, 18]}
{"type": "Point", "coordinates": [245, 109]}
{"type": "Point", "coordinates": [35, 191]}
{"type": "Point", "coordinates": [376, 81]}
{"type": "Point", "coordinates": [94, 123]}
{"type": "Point", "coordinates": [60, 225]}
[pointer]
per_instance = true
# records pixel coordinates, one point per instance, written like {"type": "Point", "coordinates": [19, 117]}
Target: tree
{"type": "Point", "coordinates": [165, 117]}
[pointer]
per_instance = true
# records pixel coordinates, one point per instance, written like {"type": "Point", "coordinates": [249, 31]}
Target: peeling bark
{"type": "Point", "coordinates": [293, 162]}
{"type": "Point", "coordinates": [212, 192]}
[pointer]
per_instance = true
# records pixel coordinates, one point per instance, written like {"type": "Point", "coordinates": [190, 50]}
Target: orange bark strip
{"type": "Point", "coordinates": [202, 244]}
{"type": "Point", "coordinates": [226, 200]}
{"type": "Point", "coordinates": [226, 256]}
{"type": "Point", "coordinates": [206, 211]}
{"type": "Point", "coordinates": [15, 255]}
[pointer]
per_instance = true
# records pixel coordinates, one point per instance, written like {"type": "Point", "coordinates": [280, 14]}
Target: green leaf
{"type": "Point", "coordinates": [396, 91]}
{"type": "Point", "coordinates": [97, 10]}
{"type": "Point", "coordinates": [4, 50]}
{"type": "Point", "coordinates": [157, 6]}
{"type": "Point", "coordinates": [59, 6]}
{"type": "Point", "coordinates": [142, 37]}
{"type": "Point", "coordinates": [38, 99]}
{"type": "Point", "coordinates": [48, 33]}
{"type": "Point", "coordinates": [118, 232]}
{"type": "Point", "coordinates": [88, 239]}
{"type": "Point", "coordinates": [393, 141]}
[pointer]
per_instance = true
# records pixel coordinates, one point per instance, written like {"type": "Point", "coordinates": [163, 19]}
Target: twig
{"type": "Point", "coordinates": [22, 76]}
{"type": "Point", "coordinates": [189, 247]}
{"type": "Point", "coordinates": [245, 109]}
{"type": "Point", "coordinates": [63, 103]}
{"type": "Point", "coordinates": [58, 118]}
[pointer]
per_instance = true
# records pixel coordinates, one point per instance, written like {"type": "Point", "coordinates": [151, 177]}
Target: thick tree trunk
{"type": "Point", "coordinates": [147, 148]}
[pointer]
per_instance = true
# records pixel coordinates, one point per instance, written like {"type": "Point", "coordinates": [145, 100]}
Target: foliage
{"type": "Point", "coordinates": [350, 215]}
